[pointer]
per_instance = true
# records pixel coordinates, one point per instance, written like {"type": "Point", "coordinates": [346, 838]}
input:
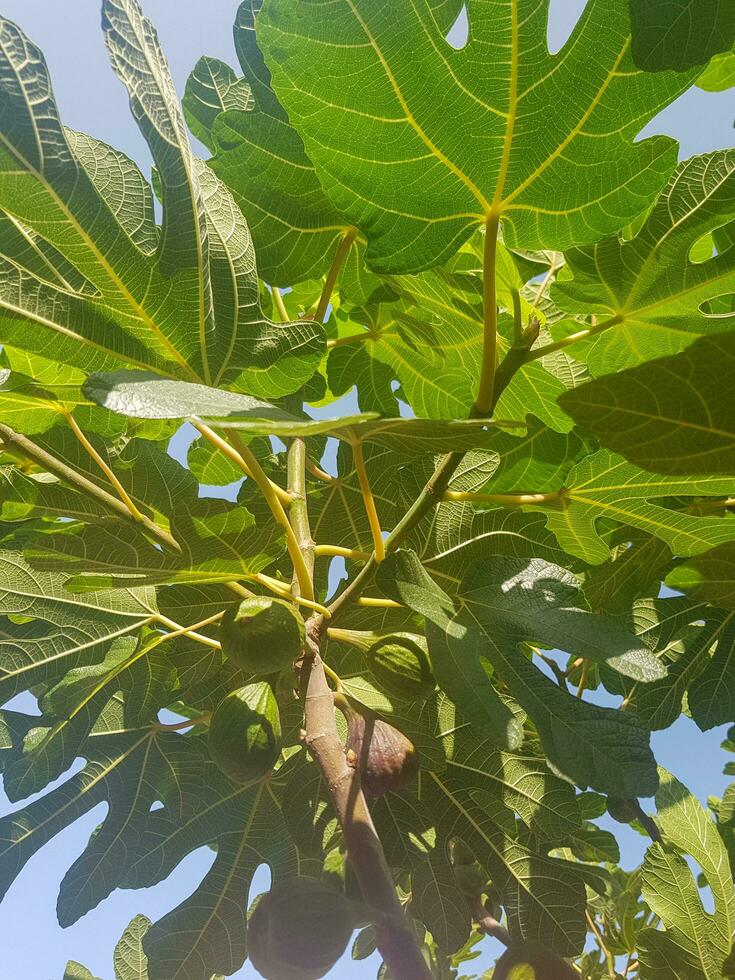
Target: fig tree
{"type": "Point", "coordinates": [400, 664]}
{"type": "Point", "coordinates": [298, 930]}
{"type": "Point", "coordinates": [262, 634]}
{"type": "Point", "coordinates": [245, 733]}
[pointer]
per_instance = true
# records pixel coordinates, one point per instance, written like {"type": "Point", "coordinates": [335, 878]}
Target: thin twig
{"type": "Point", "coordinates": [609, 958]}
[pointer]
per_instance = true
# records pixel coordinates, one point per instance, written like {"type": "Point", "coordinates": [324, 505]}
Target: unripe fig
{"type": "Point", "coordinates": [471, 878]}
{"type": "Point", "coordinates": [298, 930]}
{"type": "Point", "coordinates": [262, 634]}
{"type": "Point", "coordinates": [387, 760]}
{"type": "Point", "coordinates": [245, 733]}
{"type": "Point", "coordinates": [400, 664]}
{"type": "Point", "coordinates": [461, 853]}
{"type": "Point", "coordinates": [623, 810]}
{"type": "Point", "coordinates": [529, 961]}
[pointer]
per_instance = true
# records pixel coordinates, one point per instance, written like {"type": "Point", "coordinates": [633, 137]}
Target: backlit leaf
{"type": "Point", "coordinates": [443, 185]}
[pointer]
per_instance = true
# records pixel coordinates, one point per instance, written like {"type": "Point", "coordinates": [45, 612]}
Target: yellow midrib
{"type": "Point", "coordinates": [411, 119]}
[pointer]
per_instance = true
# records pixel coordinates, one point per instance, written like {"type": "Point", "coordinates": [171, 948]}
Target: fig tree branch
{"type": "Point", "coordinates": [488, 924]}
{"type": "Point", "coordinates": [395, 938]}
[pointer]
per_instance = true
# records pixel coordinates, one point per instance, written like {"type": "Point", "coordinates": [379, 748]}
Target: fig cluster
{"type": "Point", "coordinates": [245, 733]}
{"type": "Point", "coordinates": [262, 635]}
{"type": "Point", "coordinates": [298, 930]}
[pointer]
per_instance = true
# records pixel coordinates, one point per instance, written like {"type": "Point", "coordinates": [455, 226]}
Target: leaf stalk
{"type": "Point", "coordinates": [369, 501]}
{"type": "Point", "coordinates": [340, 255]}
{"type": "Point", "coordinates": [485, 391]}
{"type": "Point", "coordinates": [22, 445]}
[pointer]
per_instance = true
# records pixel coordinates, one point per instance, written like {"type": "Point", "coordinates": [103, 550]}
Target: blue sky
{"type": "Point", "coordinates": [92, 100]}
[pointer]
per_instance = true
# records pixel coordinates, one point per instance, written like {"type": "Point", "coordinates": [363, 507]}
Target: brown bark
{"type": "Point", "coordinates": [395, 938]}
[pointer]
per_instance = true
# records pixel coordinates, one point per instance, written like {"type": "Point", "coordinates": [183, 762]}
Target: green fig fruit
{"type": "Point", "coordinates": [400, 664]}
{"type": "Point", "coordinates": [623, 810]}
{"type": "Point", "coordinates": [461, 853]}
{"type": "Point", "coordinates": [298, 930]}
{"type": "Point", "coordinates": [245, 733]}
{"type": "Point", "coordinates": [387, 760]}
{"type": "Point", "coordinates": [262, 635]}
{"type": "Point", "coordinates": [530, 961]}
{"type": "Point", "coordinates": [471, 878]}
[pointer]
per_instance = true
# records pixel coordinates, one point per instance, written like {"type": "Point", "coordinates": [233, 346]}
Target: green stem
{"type": "Point", "coordinates": [609, 959]}
{"type": "Point", "coordinates": [340, 255]}
{"type": "Point", "coordinates": [106, 469]}
{"type": "Point", "coordinates": [431, 494]}
{"type": "Point", "coordinates": [299, 511]}
{"type": "Point", "coordinates": [517, 318]}
{"type": "Point", "coordinates": [369, 501]}
{"type": "Point", "coordinates": [353, 338]}
{"type": "Point", "coordinates": [22, 445]}
{"type": "Point", "coordinates": [280, 305]}
{"type": "Point", "coordinates": [572, 338]}
{"type": "Point", "coordinates": [581, 687]}
{"type": "Point", "coordinates": [485, 391]}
